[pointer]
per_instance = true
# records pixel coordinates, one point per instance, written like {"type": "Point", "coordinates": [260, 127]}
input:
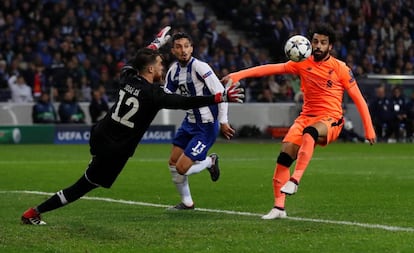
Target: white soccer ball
{"type": "Point", "coordinates": [298, 48]}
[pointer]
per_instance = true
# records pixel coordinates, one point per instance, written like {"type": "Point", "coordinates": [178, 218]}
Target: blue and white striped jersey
{"type": "Point", "coordinates": [197, 78]}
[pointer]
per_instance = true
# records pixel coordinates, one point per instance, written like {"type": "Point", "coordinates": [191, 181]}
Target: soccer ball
{"type": "Point", "coordinates": [298, 48]}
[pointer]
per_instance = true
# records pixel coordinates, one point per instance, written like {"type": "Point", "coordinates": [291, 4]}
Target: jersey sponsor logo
{"type": "Point", "coordinates": [183, 90]}
{"type": "Point", "coordinates": [209, 73]}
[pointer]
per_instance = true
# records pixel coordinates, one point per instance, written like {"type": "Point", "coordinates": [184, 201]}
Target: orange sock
{"type": "Point", "coordinates": [304, 156]}
{"type": "Point", "coordinates": [280, 177]}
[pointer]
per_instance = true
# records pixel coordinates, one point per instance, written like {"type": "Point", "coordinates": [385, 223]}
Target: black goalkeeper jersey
{"type": "Point", "coordinates": [139, 101]}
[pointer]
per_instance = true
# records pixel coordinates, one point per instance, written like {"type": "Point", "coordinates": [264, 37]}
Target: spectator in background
{"type": "Point", "coordinates": [4, 76]}
{"type": "Point", "coordinates": [266, 96]}
{"type": "Point", "coordinates": [109, 84]}
{"type": "Point", "coordinates": [69, 109]}
{"type": "Point", "coordinates": [189, 13]}
{"type": "Point", "coordinates": [39, 82]}
{"type": "Point", "coordinates": [400, 124]}
{"type": "Point", "coordinates": [180, 21]}
{"type": "Point", "coordinates": [286, 91]}
{"type": "Point", "coordinates": [348, 133]}
{"type": "Point", "coordinates": [96, 32]}
{"type": "Point", "coordinates": [85, 89]}
{"type": "Point", "coordinates": [98, 106]}
{"type": "Point", "coordinates": [273, 85]}
{"type": "Point", "coordinates": [204, 23]}
{"type": "Point", "coordinates": [44, 111]}
{"type": "Point", "coordinates": [410, 118]}
{"type": "Point", "coordinates": [20, 91]}
{"type": "Point", "coordinates": [382, 114]}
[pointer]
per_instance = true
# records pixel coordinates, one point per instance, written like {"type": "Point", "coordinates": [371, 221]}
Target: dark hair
{"type": "Point", "coordinates": [326, 30]}
{"type": "Point", "coordinates": [181, 35]}
{"type": "Point", "coordinates": [143, 58]}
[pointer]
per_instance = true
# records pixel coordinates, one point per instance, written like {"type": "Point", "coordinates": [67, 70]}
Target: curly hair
{"type": "Point", "coordinates": [324, 29]}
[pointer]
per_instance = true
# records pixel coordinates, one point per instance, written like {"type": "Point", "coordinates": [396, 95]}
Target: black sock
{"type": "Point", "coordinates": [66, 196]}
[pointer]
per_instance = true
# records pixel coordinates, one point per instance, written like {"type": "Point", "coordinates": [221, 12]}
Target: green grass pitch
{"type": "Point", "coordinates": [352, 198]}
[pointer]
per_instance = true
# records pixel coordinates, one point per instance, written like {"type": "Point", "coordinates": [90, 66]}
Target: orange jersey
{"type": "Point", "coordinates": [323, 85]}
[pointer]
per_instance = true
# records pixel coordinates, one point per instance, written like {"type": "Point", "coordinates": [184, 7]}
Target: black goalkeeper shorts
{"type": "Point", "coordinates": [103, 170]}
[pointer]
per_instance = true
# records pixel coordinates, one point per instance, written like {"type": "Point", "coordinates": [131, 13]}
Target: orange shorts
{"type": "Point", "coordinates": [295, 132]}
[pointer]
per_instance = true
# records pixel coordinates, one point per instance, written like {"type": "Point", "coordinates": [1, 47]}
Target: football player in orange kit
{"type": "Point", "coordinates": [323, 82]}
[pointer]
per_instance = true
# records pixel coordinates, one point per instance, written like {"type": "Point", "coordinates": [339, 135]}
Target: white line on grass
{"type": "Point", "coordinates": [150, 160]}
{"type": "Point", "coordinates": [130, 202]}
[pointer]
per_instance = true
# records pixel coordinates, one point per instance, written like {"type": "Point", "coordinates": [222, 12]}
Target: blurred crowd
{"type": "Point", "coordinates": [372, 36]}
{"type": "Point", "coordinates": [79, 46]}
{"type": "Point", "coordinates": [392, 114]}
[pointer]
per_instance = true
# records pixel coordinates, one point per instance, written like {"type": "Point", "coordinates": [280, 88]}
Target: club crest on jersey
{"type": "Point", "coordinates": [207, 74]}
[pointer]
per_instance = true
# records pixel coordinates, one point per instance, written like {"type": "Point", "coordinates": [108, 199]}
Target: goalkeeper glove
{"type": "Point", "coordinates": [161, 39]}
{"type": "Point", "coordinates": [232, 94]}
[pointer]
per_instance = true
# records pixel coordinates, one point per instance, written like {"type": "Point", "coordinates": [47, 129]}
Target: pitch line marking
{"type": "Point", "coordinates": [130, 202]}
{"type": "Point", "coordinates": [150, 160]}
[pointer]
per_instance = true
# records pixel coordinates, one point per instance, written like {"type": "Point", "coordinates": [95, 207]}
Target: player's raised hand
{"type": "Point", "coordinates": [161, 39]}
{"type": "Point", "coordinates": [232, 94]}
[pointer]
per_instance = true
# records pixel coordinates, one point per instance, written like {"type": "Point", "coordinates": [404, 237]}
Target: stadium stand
{"type": "Point", "coordinates": [65, 44]}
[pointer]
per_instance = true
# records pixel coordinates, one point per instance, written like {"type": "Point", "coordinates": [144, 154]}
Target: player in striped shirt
{"type": "Point", "coordinates": [189, 76]}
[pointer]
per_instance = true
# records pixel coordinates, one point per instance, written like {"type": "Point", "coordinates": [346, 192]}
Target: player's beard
{"type": "Point", "coordinates": [184, 59]}
{"type": "Point", "coordinates": [320, 55]}
{"type": "Point", "coordinates": [158, 79]}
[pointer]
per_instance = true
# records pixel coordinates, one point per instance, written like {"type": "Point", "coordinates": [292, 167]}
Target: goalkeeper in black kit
{"type": "Point", "coordinates": [114, 139]}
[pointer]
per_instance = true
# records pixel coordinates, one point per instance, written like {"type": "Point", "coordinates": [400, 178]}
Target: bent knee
{"type": "Point", "coordinates": [183, 164]}
{"type": "Point", "coordinates": [285, 159]}
{"type": "Point", "coordinates": [312, 131]}
{"type": "Point", "coordinates": [181, 170]}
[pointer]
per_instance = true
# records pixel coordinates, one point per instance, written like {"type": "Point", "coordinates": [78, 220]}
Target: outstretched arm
{"type": "Point", "coordinates": [259, 71]}
{"type": "Point", "coordinates": [362, 107]}
{"type": "Point", "coordinates": [232, 94]}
